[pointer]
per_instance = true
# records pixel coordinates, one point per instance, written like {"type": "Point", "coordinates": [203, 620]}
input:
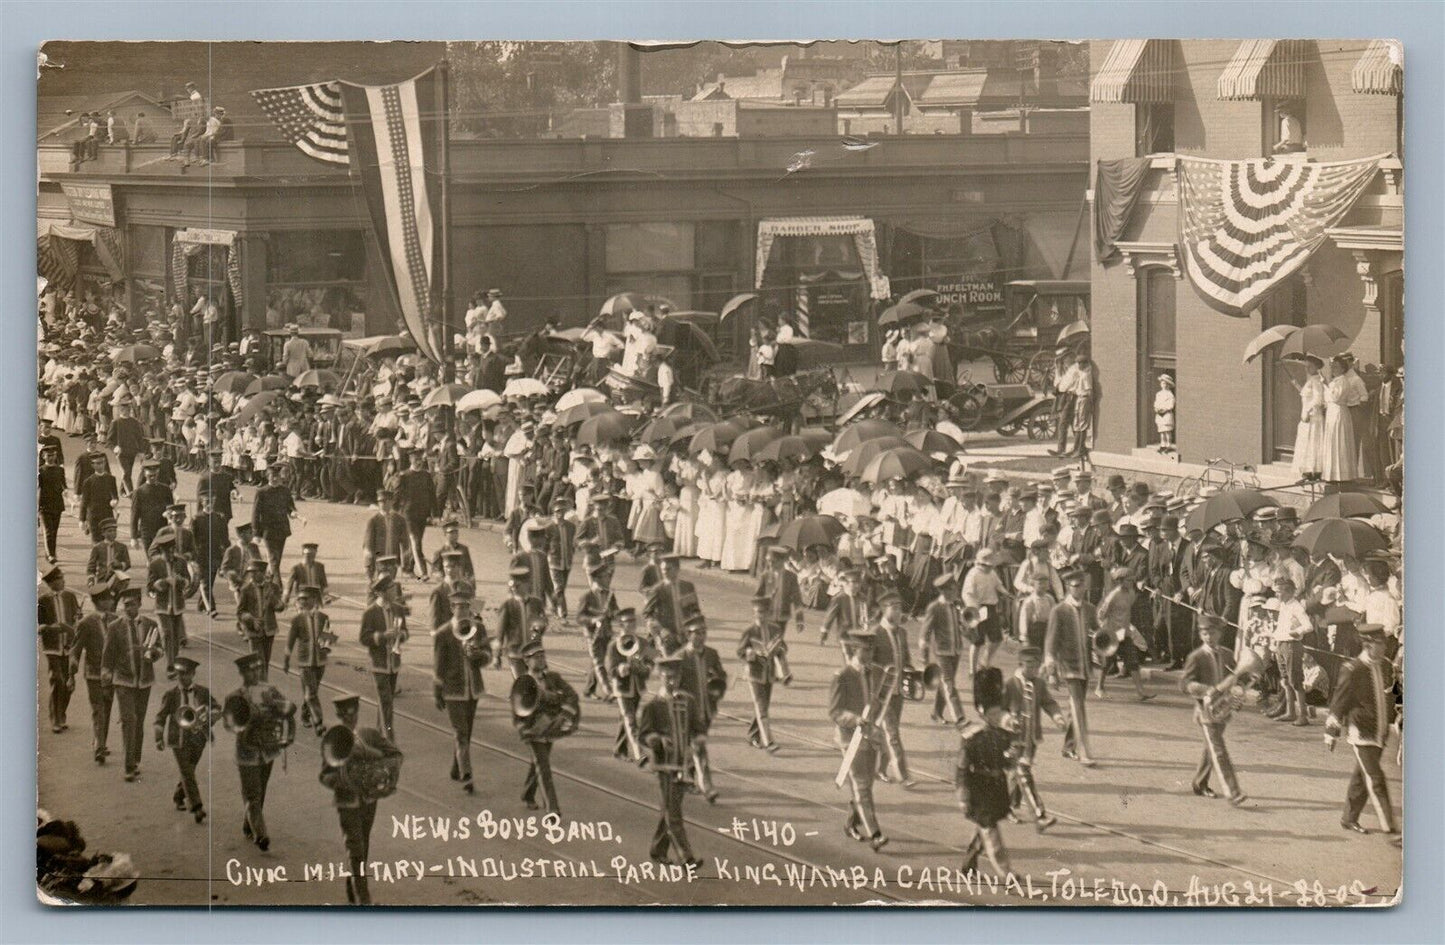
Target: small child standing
{"type": "Point", "coordinates": [1164, 413]}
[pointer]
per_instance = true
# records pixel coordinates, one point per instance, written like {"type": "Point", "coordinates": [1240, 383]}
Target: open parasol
{"type": "Point", "coordinates": [806, 531]}
{"type": "Point", "coordinates": [846, 502]}
{"type": "Point", "coordinates": [132, 354]}
{"type": "Point", "coordinates": [747, 445]}
{"type": "Point", "coordinates": [232, 382]}
{"type": "Point", "coordinates": [586, 410]}
{"type": "Point", "coordinates": [901, 463]}
{"type": "Point", "coordinates": [861, 455]}
{"type": "Point", "coordinates": [388, 346]}
{"type": "Point", "coordinates": [267, 383]}
{"type": "Point", "coordinates": [580, 395]}
{"type": "Point", "coordinates": [716, 437]}
{"type": "Point", "coordinates": [688, 411]}
{"type": "Point", "coordinates": [255, 404]}
{"type": "Point", "coordinates": [318, 377]}
{"type": "Point", "coordinates": [1345, 505]}
{"type": "Point", "coordinates": [519, 387]}
{"type": "Point", "coordinates": [1229, 506]}
{"type": "Point", "coordinates": [604, 428]}
{"type": "Point", "coordinates": [901, 314]}
{"type": "Point", "coordinates": [931, 441]}
{"type": "Point", "coordinates": [660, 428]}
{"type": "Point", "coordinates": [447, 395]}
{"type": "Point", "coordinates": [1322, 341]}
{"type": "Point", "coordinates": [922, 296]}
{"type": "Point", "coordinates": [478, 400]}
{"type": "Point", "coordinates": [795, 448]}
{"type": "Point", "coordinates": [735, 303]}
{"type": "Point", "coordinates": [1341, 537]}
{"type": "Point", "coordinates": [864, 430]}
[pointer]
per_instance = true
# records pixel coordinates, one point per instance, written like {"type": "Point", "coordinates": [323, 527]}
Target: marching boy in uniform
{"type": "Point", "coordinates": [356, 813]}
{"type": "Point", "coordinates": [1362, 709]}
{"type": "Point", "coordinates": [1206, 677]}
{"type": "Point", "coordinates": [669, 726]}
{"type": "Point", "coordinates": [853, 703]}
{"type": "Point", "coordinates": [309, 641]}
{"type": "Point", "coordinates": [187, 740]}
{"type": "Point", "coordinates": [459, 651]}
{"type": "Point", "coordinates": [984, 760]}
{"type": "Point", "coordinates": [753, 649]}
{"type": "Point", "coordinates": [1026, 697]}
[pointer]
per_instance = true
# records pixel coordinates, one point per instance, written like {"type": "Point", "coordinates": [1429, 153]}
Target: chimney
{"type": "Point", "coordinates": [629, 75]}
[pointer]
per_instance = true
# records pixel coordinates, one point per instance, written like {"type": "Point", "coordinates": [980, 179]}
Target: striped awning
{"type": "Point", "coordinates": [1136, 70]}
{"type": "Point", "coordinates": [1262, 68]}
{"type": "Point", "coordinates": [1381, 70]}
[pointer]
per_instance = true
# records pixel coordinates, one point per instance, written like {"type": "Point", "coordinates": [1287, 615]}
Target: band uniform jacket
{"type": "Point", "coordinates": [467, 570]}
{"type": "Point", "coordinates": [210, 536]}
{"type": "Point", "coordinates": [96, 496]}
{"type": "Point", "coordinates": [238, 558]}
{"type": "Point", "coordinates": [849, 696]}
{"type": "Point", "coordinates": [271, 511]}
{"type": "Point", "coordinates": [535, 561]}
{"type": "Point", "coordinates": [303, 641]}
{"type": "Point", "coordinates": [219, 485]}
{"type": "Point", "coordinates": [1207, 666]}
{"type": "Point", "coordinates": [890, 648]}
{"type": "Point", "coordinates": [656, 721]}
{"type": "Point", "coordinates": [558, 694]}
{"type": "Point", "coordinates": [169, 581]}
{"type": "Point", "coordinates": [514, 623]}
{"type": "Point", "coordinates": [127, 435]}
{"type": "Point", "coordinates": [756, 639]}
{"type": "Point", "coordinates": [672, 604]}
{"type": "Point", "coordinates": [85, 468]}
{"type": "Point", "coordinates": [1028, 699]}
{"type": "Point", "coordinates": [781, 585]}
{"type": "Point", "coordinates": [51, 485]}
{"type": "Point", "coordinates": [344, 795]}
{"type": "Point", "coordinates": [305, 574]}
{"type": "Point", "coordinates": [943, 629]}
{"type": "Point", "coordinates": [90, 636]}
{"type": "Point", "coordinates": [634, 684]}
{"type": "Point", "coordinates": [167, 716]}
{"type": "Point", "coordinates": [148, 509]}
{"type": "Point", "coordinates": [266, 701]}
{"type": "Point", "coordinates": [124, 658]}
{"type": "Point", "coordinates": [376, 620]}
{"type": "Point", "coordinates": [257, 605]}
{"type": "Point", "coordinates": [981, 776]}
{"type": "Point", "coordinates": [440, 602]}
{"type": "Point", "coordinates": [844, 613]}
{"type": "Point", "coordinates": [1363, 702]}
{"type": "Point", "coordinates": [455, 676]}
{"type": "Point", "coordinates": [600, 606]}
{"type": "Point", "coordinates": [385, 534]}
{"type": "Point", "coordinates": [561, 544]}
{"type": "Point", "coordinates": [1068, 642]}
{"type": "Point", "coordinates": [58, 608]}
{"type": "Point", "coordinates": [604, 529]}
{"type": "Point", "coordinates": [699, 667]}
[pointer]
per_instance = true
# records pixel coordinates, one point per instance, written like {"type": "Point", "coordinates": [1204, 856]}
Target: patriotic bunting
{"type": "Point", "coordinates": [310, 116]}
{"type": "Point", "coordinates": [1246, 226]}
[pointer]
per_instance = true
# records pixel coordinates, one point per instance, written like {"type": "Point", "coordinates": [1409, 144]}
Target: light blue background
{"type": "Point", "coordinates": [24, 25]}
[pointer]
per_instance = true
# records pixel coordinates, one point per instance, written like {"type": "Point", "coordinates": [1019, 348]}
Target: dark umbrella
{"type": "Point", "coordinates": [604, 428]}
{"type": "Point", "coordinates": [796, 448]}
{"type": "Point", "coordinates": [256, 404]}
{"type": "Point", "coordinates": [716, 437]}
{"type": "Point", "coordinates": [318, 377]}
{"type": "Point", "coordinates": [902, 463]}
{"type": "Point", "coordinates": [864, 430]}
{"type": "Point", "coordinates": [746, 446]}
{"type": "Point", "coordinates": [688, 411]}
{"type": "Point", "coordinates": [1227, 507]}
{"type": "Point", "coordinates": [896, 382]}
{"type": "Point", "coordinates": [233, 382]}
{"type": "Point", "coordinates": [806, 531]}
{"type": "Point", "coordinates": [863, 454]}
{"type": "Point", "coordinates": [269, 382]}
{"type": "Point", "coordinates": [661, 428]}
{"type": "Point", "coordinates": [1341, 537]}
{"type": "Point", "coordinates": [919, 295]}
{"type": "Point", "coordinates": [735, 303]}
{"type": "Point", "coordinates": [1345, 505]}
{"type": "Point", "coordinates": [447, 395]}
{"type": "Point", "coordinates": [685, 433]}
{"type": "Point", "coordinates": [389, 345]}
{"type": "Point", "coordinates": [931, 441]}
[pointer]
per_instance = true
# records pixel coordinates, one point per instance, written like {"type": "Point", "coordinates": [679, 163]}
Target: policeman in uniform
{"type": "Point", "coordinates": [356, 813]}
{"type": "Point", "coordinates": [253, 759]}
{"type": "Point", "coordinates": [309, 642]}
{"type": "Point", "coordinates": [383, 631]}
{"type": "Point", "coordinates": [702, 676]}
{"type": "Point", "coordinates": [539, 773]}
{"type": "Point", "coordinates": [853, 701]}
{"type": "Point", "coordinates": [1362, 709]}
{"type": "Point", "coordinates": [944, 628]}
{"type": "Point", "coordinates": [753, 649]}
{"type": "Point", "coordinates": [457, 676]}
{"type": "Point", "coordinates": [130, 649]}
{"type": "Point", "coordinates": [669, 726]}
{"type": "Point", "coordinates": [628, 675]}
{"type": "Point", "coordinates": [91, 634]}
{"type": "Point", "coordinates": [186, 743]}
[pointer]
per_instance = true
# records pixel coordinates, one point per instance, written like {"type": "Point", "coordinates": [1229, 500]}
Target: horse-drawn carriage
{"type": "Point", "coordinates": [1007, 408]}
{"type": "Point", "coordinates": [1038, 316]}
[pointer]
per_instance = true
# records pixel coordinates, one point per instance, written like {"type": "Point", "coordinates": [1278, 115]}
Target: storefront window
{"type": "Point", "coordinates": [818, 281]}
{"type": "Point", "coordinates": [653, 259]}
{"type": "Point", "coordinates": [147, 252]}
{"type": "Point", "coordinates": [317, 278]}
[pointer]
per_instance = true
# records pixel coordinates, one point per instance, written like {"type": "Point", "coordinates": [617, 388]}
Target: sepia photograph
{"type": "Point", "coordinates": [924, 472]}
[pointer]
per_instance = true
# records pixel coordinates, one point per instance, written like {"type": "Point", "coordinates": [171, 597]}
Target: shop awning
{"type": "Point", "coordinates": [1262, 68]}
{"type": "Point", "coordinates": [865, 239]}
{"type": "Point", "coordinates": [62, 260]}
{"type": "Point", "coordinates": [1381, 70]}
{"type": "Point", "coordinates": [1140, 71]}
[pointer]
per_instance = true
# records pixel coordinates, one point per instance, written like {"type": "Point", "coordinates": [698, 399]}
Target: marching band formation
{"type": "Point", "coordinates": [1084, 584]}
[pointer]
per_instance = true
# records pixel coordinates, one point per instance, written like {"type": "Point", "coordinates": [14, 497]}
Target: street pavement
{"type": "Point", "coordinates": [1129, 831]}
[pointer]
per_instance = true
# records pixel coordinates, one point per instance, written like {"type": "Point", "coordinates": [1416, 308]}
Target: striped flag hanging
{"type": "Point", "coordinates": [393, 134]}
{"type": "Point", "coordinates": [310, 116]}
{"type": "Point", "coordinates": [1246, 226]}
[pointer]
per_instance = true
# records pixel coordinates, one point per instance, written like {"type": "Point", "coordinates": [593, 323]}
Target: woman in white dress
{"type": "Point", "coordinates": [1339, 460]}
{"type": "Point", "coordinates": [737, 550]}
{"type": "Point", "coordinates": [711, 510]}
{"type": "Point", "coordinates": [684, 541]}
{"type": "Point", "coordinates": [1309, 440]}
{"type": "Point", "coordinates": [647, 528]}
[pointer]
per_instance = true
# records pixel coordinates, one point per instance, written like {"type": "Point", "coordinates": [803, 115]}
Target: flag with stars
{"type": "Point", "coordinates": [393, 134]}
{"type": "Point", "coordinates": [310, 116]}
{"type": "Point", "coordinates": [1246, 226]}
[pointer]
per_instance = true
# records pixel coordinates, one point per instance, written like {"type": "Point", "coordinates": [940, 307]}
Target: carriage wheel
{"type": "Point", "coordinates": [1040, 371]}
{"type": "Point", "coordinates": [1010, 370]}
{"type": "Point", "coordinates": [1009, 429]}
{"type": "Point", "coordinates": [1043, 425]}
{"type": "Point", "coordinates": [967, 410]}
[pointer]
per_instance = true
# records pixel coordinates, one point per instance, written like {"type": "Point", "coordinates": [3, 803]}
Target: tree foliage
{"type": "Point", "coordinates": [507, 89]}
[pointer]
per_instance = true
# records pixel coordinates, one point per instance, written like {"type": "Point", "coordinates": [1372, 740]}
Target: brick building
{"type": "Point", "coordinates": [1316, 102]}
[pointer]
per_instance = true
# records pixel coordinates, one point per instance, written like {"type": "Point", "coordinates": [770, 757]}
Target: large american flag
{"type": "Point", "coordinates": [1246, 226]}
{"type": "Point", "coordinates": [312, 117]}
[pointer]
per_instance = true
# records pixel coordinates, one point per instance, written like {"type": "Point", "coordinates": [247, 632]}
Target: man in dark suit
{"type": "Point", "coordinates": [210, 535]}
{"type": "Point", "coordinates": [271, 517]}
{"type": "Point", "coordinates": [702, 676]}
{"type": "Point", "coordinates": [98, 496]}
{"type": "Point", "coordinates": [187, 743]}
{"type": "Point", "coordinates": [219, 484]}
{"type": "Point", "coordinates": [127, 437]}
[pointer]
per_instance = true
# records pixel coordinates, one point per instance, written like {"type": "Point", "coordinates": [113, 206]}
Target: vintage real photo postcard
{"type": "Point", "coordinates": [614, 474]}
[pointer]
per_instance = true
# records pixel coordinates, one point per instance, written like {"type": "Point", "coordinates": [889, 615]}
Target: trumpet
{"type": "Point", "coordinates": [593, 628]}
{"type": "Point", "coordinates": [153, 649]}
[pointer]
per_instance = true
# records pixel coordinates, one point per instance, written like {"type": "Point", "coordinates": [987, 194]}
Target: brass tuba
{"type": "Point", "coordinates": [549, 717]}
{"type": "Point", "coordinates": [472, 645]}
{"type": "Point", "coordinates": [1106, 644]}
{"type": "Point", "coordinates": [373, 774]}
{"type": "Point", "coordinates": [1220, 705]}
